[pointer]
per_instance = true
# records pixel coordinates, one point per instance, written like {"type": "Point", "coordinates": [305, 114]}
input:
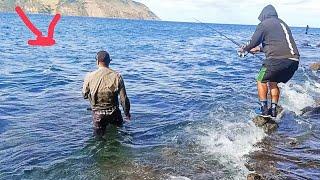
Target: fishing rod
{"type": "Point", "coordinates": [230, 39]}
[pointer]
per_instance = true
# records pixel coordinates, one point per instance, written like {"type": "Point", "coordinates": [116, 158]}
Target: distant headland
{"type": "Point", "coordinates": [126, 9]}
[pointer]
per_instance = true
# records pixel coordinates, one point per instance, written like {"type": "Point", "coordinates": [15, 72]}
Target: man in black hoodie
{"type": "Point", "coordinates": [282, 57]}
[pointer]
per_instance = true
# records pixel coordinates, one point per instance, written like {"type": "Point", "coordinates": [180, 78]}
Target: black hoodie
{"type": "Point", "coordinates": [275, 36]}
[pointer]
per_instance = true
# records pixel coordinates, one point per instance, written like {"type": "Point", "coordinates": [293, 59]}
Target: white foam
{"type": "Point", "coordinates": [314, 86]}
{"type": "Point", "coordinates": [296, 97]}
{"type": "Point", "coordinates": [178, 178]}
{"type": "Point", "coordinates": [231, 142]}
{"type": "Point", "coordinates": [201, 41]}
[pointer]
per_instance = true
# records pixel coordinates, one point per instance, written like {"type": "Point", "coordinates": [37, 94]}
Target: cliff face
{"type": "Point", "coordinates": [127, 9]}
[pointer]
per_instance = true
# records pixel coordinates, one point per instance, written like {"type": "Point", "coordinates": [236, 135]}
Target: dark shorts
{"type": "Point", "coordinates": [280, 70]}
{"type": "Point", "coordinates": [101, 119]}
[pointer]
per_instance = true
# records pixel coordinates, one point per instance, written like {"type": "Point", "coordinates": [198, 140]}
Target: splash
{"type": "Point", "coordinates": [231, 142]}
{"type": "Point", "coordinates": [295, 97]}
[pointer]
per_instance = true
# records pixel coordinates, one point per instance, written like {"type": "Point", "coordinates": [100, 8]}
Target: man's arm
{"type": "Point", "coordinates": [124, 100]}
{"type": "Point", "coordinates": [256, 39]}
{"type": "Point", "coordinates": [256, 50]}
{"type": "Point", "coordinates": [86, 88]}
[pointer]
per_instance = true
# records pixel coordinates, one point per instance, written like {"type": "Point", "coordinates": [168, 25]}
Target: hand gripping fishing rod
{"type": "Point", "coordinates": [233, 41]}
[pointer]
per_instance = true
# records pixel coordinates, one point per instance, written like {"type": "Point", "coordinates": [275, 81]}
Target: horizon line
{"type": "Point", "coordinates": [160, 20]}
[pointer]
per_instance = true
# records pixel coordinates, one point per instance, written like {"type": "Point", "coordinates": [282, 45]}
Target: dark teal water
{"type": "Point", "coordinates": [192, 104]}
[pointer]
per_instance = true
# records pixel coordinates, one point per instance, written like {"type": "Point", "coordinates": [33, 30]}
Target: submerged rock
{"type": "Point", "coordinates": [267, 123]}
{"type": "Point", "coordinates": [170, 153]}
{"type": "Point", "coordinates": [312, 110]}
{"type": "Point", "coordinates": [270, 127]}
{"type": "Point", "coordinates": [202, 176]}
{"type": "Point", "coordinates": [254, 176]}
{"type": "Point", "coordinates": [307, 111]}
{"type": "Point", "coordinates": [260, 121]}
{"type": "Point", "coordinates": [293, 141]}
{"type": "Point", "coordinates": [318, 45]}
{"type": "Point", "coordinates": [249, 166]}
{"type": "Point", "coordinates": [315, 66]}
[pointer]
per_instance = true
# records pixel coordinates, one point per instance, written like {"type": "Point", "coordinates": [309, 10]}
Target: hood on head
{"type": "Point", "coordinates": [268, 12]}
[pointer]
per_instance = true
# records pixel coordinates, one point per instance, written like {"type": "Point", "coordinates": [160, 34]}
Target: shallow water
{"type": "Point", "coordinates": [192, 104]}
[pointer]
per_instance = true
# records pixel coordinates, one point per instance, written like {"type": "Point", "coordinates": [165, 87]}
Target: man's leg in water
{"type": "Point", "coordinates": [99, 124]}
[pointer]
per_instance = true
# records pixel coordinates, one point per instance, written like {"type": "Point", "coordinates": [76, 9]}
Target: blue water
{"type": "Point", "coordinates": [192, 104]}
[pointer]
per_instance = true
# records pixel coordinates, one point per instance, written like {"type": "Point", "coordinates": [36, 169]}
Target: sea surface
{"type": "Point", "coordinates": [192, 98]}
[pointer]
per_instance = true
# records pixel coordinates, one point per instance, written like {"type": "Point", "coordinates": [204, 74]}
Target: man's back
{"type": "Point", "coordinates": [275, 36]}
{"type": "Point", "coordinates": [103, 87]}
{"type": "Point", "coordinates": [278, 42]}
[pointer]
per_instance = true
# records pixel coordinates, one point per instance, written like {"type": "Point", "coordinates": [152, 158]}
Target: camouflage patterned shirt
{"type": "Point", "coordinates": [102, 88]}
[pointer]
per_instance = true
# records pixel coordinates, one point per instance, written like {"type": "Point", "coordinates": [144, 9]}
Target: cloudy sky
{"type": "Point", "coordinates": [294, 12]}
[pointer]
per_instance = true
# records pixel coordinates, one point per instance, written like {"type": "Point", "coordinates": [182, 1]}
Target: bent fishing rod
{"type": "Point", "coordinates": [221, 34]}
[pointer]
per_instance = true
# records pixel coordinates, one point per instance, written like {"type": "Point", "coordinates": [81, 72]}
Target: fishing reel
{"type": "Point", "coordinates": [242, 54]}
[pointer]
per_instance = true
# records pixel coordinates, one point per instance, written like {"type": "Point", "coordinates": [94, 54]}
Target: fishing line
{"type": "Point", "coordinates": [230, 39]}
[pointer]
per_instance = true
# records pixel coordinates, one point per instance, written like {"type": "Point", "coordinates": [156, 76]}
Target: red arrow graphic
{"type": "Point", "coordinates": [40, 40]}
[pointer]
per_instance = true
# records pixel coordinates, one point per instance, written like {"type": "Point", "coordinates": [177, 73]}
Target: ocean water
{"type": "Point", "coordinates": [192, 101]}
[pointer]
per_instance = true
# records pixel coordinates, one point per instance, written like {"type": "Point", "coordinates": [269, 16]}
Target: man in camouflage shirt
{"type": "Point", "coordinates": [102, 88]}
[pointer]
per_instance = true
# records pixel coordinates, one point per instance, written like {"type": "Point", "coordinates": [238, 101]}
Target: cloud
{"type": "Point", "coordinates": [297, 2]}
{"type": "Point", "coordinates": [296, 12]}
